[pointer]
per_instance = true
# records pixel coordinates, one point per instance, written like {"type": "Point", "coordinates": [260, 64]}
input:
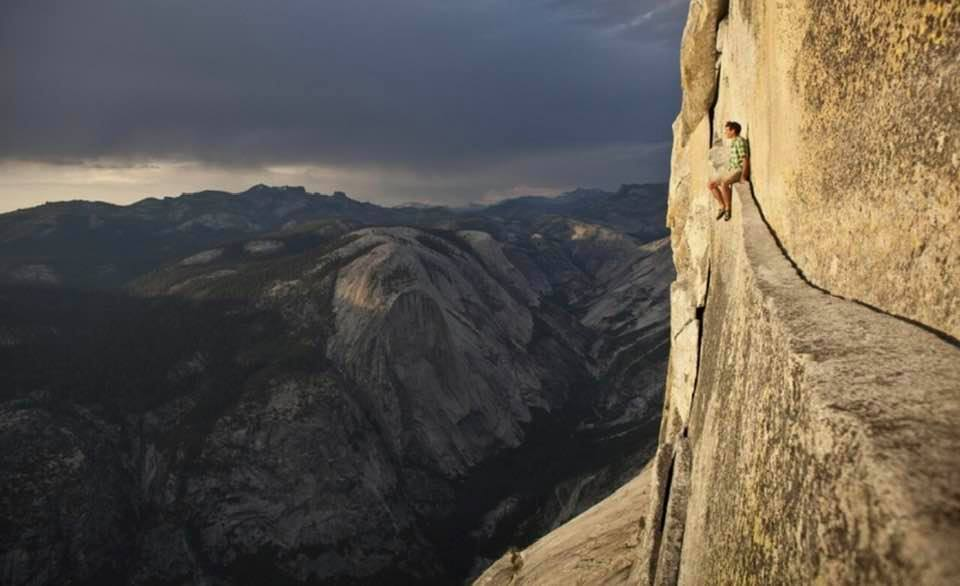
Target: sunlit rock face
{"type": "Point", "coordinates": [596, 547]}
{"type": "Point", "coordinates": [806, 436]}
{"type": "Point", "coordinates": [851, 110]}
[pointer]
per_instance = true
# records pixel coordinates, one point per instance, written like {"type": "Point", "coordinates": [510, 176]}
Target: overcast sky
{"type": "Point", "coordinates": [392, 101]}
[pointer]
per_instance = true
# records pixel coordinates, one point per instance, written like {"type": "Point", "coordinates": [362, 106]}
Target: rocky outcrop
{"type": "Point", "coordinates": [809, 431]}
{"type": "Point", "coordinates": [435, 342]}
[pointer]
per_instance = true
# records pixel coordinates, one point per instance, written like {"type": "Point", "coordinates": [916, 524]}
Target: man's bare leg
{"type": "Point", "coordinates": [715, 190]}
{"type": "Point", "coordinates": [725, 202]}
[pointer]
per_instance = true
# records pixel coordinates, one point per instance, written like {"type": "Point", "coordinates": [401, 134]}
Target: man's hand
{"type": "Point", "coordinates": [745, 175]}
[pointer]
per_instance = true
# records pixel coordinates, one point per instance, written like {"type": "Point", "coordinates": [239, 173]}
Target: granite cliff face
{"type": "Point", "coordinates": [809, 433]}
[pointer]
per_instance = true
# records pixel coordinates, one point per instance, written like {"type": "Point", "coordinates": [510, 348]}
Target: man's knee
{"type": "Point", "coordinates": [729, 181]}
{"type": "Point", "coordinates": [712, 184]}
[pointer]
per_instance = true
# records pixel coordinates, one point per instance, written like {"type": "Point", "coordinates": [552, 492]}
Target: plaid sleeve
{"type": "Point", "coordinates": [740, 149]}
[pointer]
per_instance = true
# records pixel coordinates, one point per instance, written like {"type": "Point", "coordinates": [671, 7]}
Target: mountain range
{"type": "Point", "coordinates": [282, 387]}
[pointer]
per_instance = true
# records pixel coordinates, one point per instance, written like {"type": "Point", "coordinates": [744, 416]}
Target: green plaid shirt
{"type": "Point", "coordinates": [739, 148]}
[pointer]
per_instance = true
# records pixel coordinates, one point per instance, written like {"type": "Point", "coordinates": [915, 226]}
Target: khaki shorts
{"type": "Point", "coordinates": [728, 177]}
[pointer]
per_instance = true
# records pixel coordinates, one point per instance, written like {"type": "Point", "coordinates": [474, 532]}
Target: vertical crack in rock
{"type": "Point", "coordinates": [659, 559]}
{"type": "Point", "coordinates": [712, 110]}
{"type": "Point", "coordinates": [699, 321]}
{"type": "Point", "coordinates": [644, 567]}
{"type": "Point", "coordinates": [674, 519]}
{"type": "Point", "coordinates": [662, 507]}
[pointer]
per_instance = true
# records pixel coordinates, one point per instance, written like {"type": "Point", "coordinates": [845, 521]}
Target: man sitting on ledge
{"type": "Point", "coordinates": [738, 168]}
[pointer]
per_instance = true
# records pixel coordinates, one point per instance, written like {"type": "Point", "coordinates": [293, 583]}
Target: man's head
{"type": "Point", "coordinates": [731, 129]}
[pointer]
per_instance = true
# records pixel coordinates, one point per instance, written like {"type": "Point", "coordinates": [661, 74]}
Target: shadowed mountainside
{"type": "Point", "coordinates": [327, 402]}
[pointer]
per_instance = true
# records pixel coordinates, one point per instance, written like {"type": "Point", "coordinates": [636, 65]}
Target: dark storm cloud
{"type": "Point", "coordinates": [429, 86]}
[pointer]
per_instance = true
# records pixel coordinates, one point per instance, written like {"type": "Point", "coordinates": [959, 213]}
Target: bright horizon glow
{"type": "Point", "coordinates": [28, 184]}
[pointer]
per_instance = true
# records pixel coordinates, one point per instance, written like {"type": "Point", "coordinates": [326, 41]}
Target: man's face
{"type": "Point", "coordinates": [728, 132]}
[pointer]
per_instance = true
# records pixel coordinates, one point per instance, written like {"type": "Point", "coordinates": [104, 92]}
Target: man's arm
{"type": "Point", "coordinates": [745, 176]}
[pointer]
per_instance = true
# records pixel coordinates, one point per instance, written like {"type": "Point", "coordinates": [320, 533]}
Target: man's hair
{"type": "Point", "coordinates": [733, 126]}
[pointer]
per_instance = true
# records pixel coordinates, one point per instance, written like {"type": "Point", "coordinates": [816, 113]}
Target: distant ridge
{"type": "Point", "coordinates": [89, 243]}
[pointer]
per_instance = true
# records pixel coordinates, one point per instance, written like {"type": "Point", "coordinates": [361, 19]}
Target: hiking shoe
{"type": "Point", "coordinates": [722, 213]}
{"type": "Point", "coordinates": [726, 215]}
